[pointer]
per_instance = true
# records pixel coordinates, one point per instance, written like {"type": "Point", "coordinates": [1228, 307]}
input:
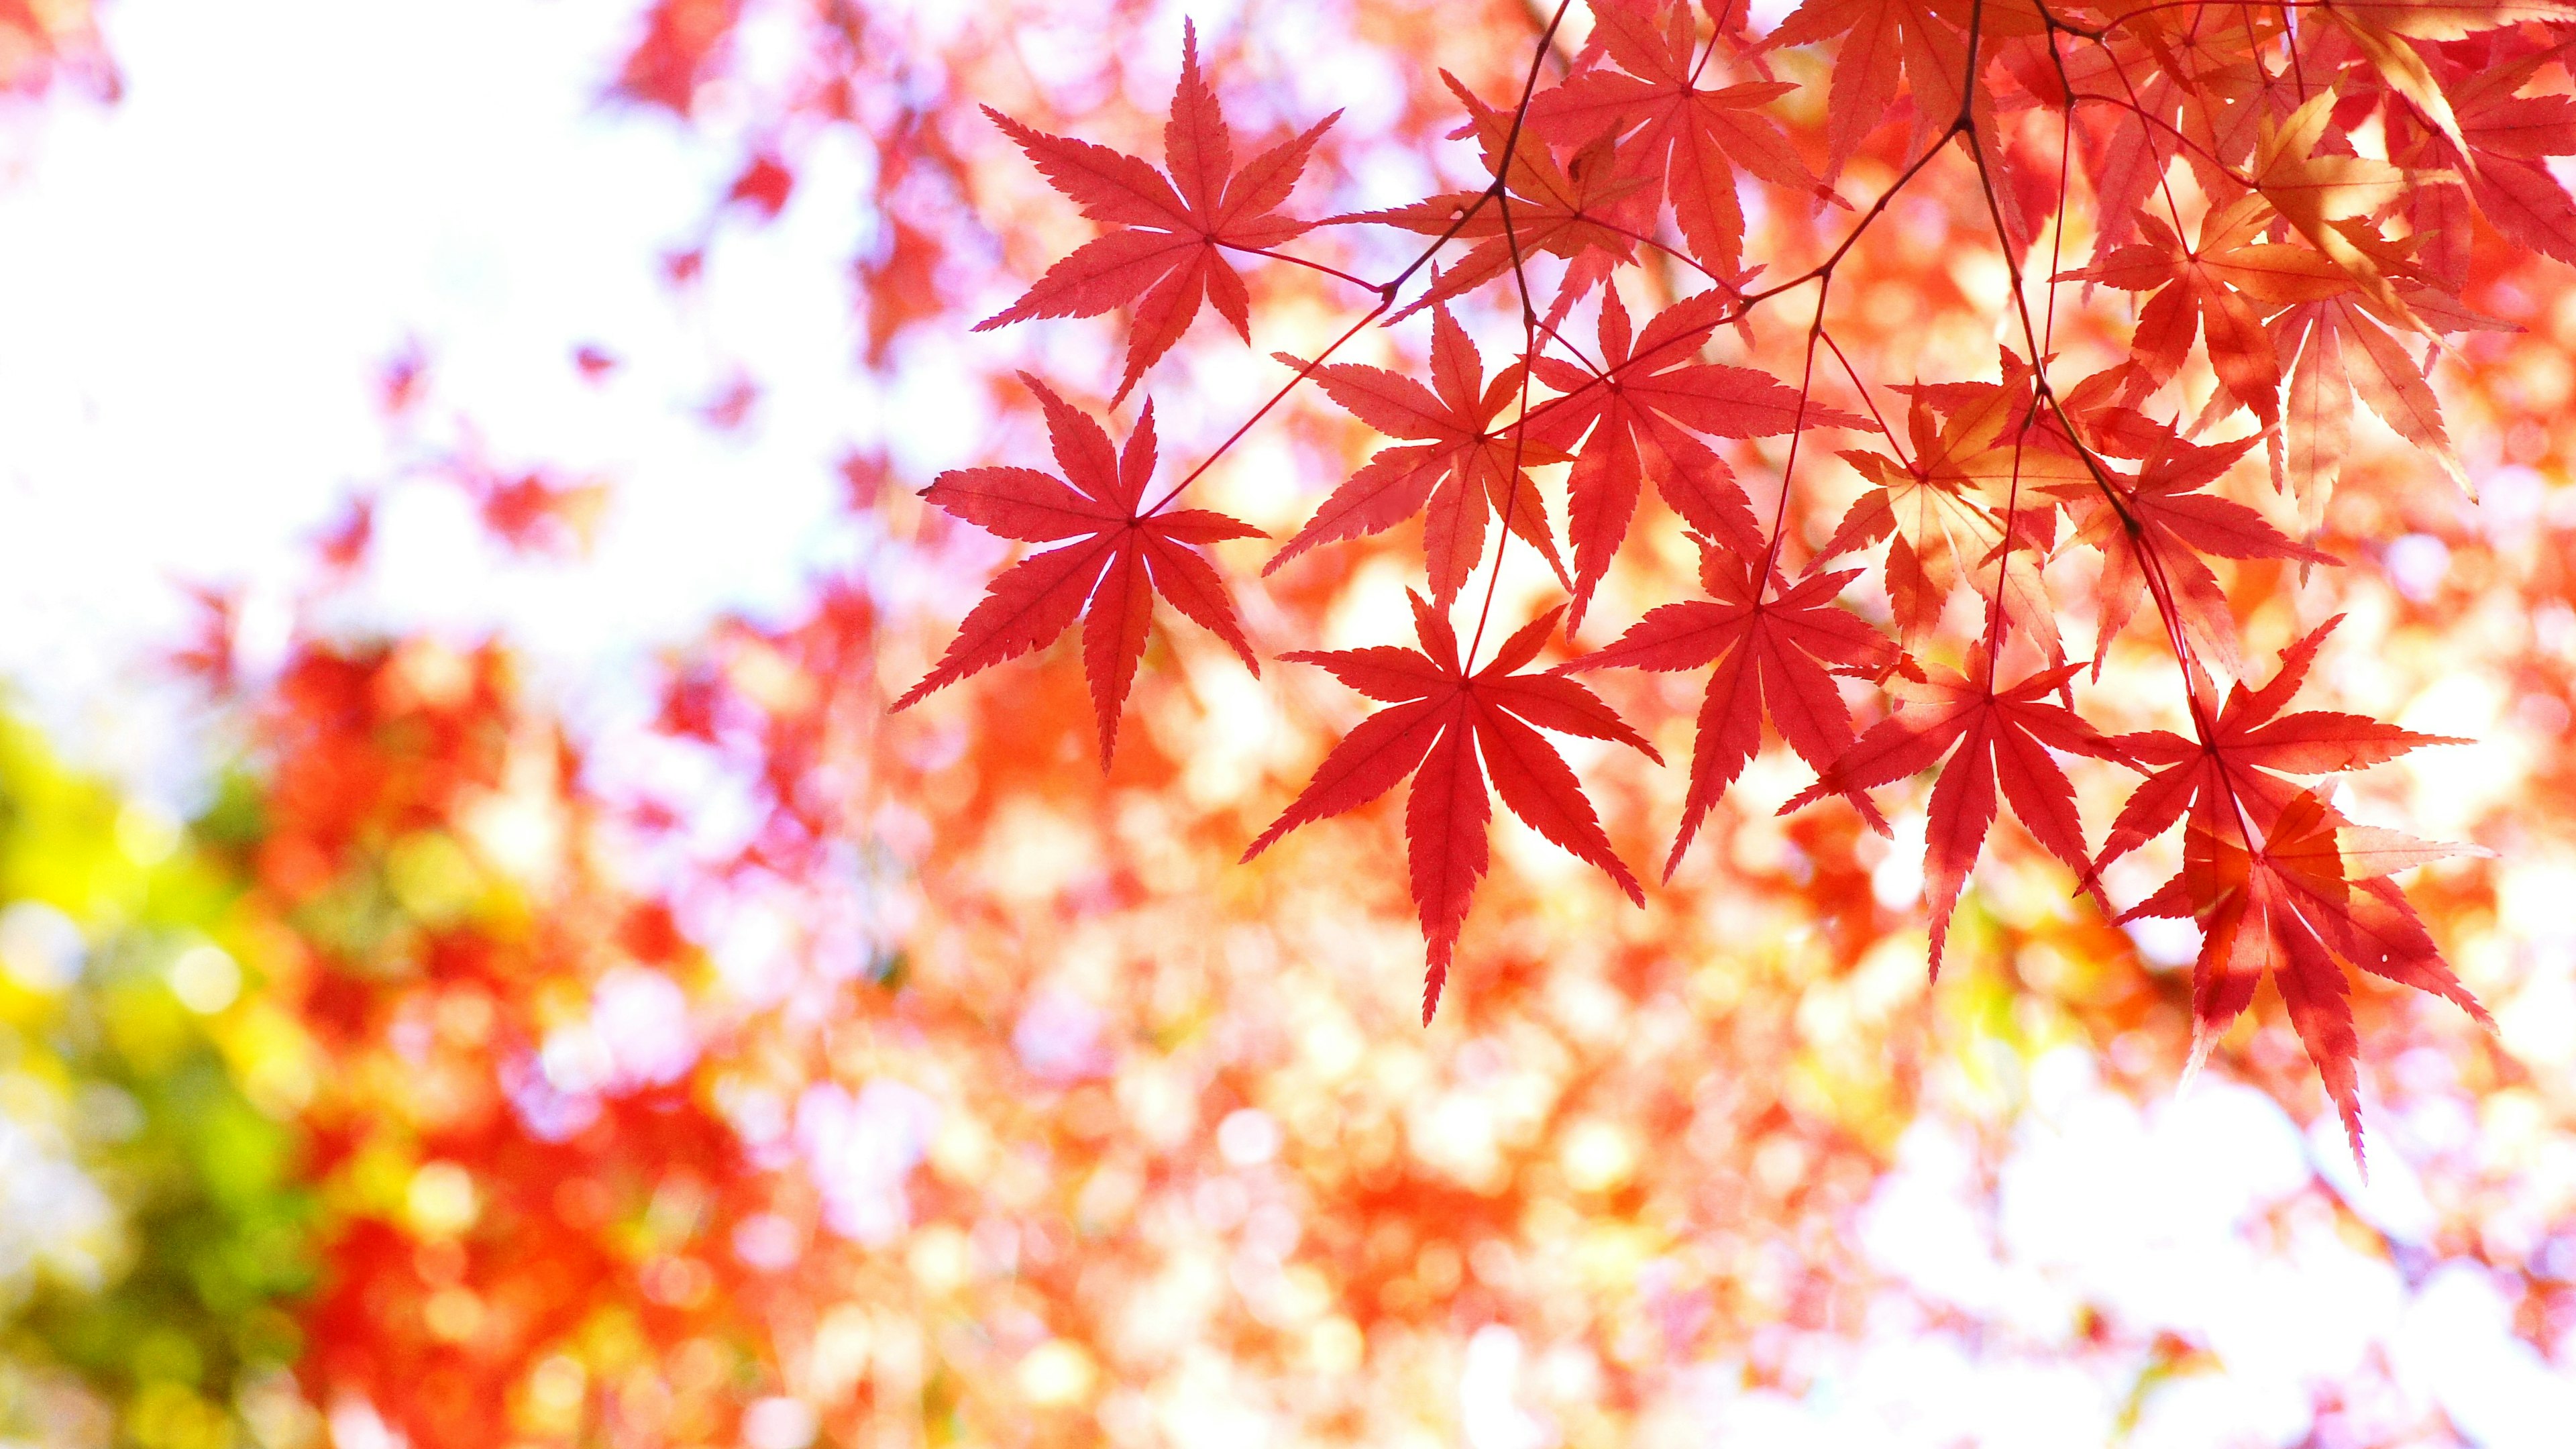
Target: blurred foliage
{"type": "Point", "coordinates": [158, 1219]}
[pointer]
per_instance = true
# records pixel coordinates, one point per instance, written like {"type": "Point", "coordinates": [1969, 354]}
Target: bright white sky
{"type": "Point", "coordinates": [199, 285]}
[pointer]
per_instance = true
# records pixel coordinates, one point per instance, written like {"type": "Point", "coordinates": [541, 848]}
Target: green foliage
{"type": "Point", "coordinates": [151, 1220]}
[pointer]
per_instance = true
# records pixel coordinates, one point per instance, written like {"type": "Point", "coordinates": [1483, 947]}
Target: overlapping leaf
{"type": "Point", "coordinates": [2500, 142]}
{"type": "Point", "coordinates": [1968, 507]}
{"type": "Point", "coordinates": [1563, 210]}
{"type": "Point", "coordinates": [1684, 141]}
{"type": "Point", "coordinates": [1884, 42]}
{"type": "Point", "coordinates": [2345, 351]}
{"type": "Point", "coordinates": [1635, 420]}
{"type": "Point", "coordinates": [2239, 767]}
{"type": "Point", "coordinates": [2315, 186]}
{"type": "Point", "coordinates": [2162, 522]}
{"type": "Point", "coordinates": [2305, 893]}
{"type": "Point", "coordinates": [2218, 290]}
{"type": "Point", "coordinates": [2278, 881]}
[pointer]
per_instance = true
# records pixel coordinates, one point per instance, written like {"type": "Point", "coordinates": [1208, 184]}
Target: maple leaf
{"type": "Point", "coordinates": [2003, 739]}
{"type": "Point", "coordinates": [2497, 157]}
{"type": "Point", "coordinates": [1113, 562]}
{"type": "Point", "coordinates": [1443, 718]}
{"type": "Point", "coordinates": [2126, 150]}
{"type": "Point", "coordinates": [2501, 141]}
{"type": "Point", "coordinates": [2310, 893]}
{"type": "Point", "coordinates": [2344, 351]}
{"type": "Point", "coordinates": [1883, 41]}
{"type": "Point", "coordinates": [1945, 511]}
{"type": "Point", "coordinates": [2444, 20]}
{"type": "Point", "coordinates": [2380, 29]}
{"type": "Point", "coordinates": [1168, 253]}
{"type": "Point", "coordinates": [2220, 91]}
{"type": "Point", "coordinates": [2314, 191]}
{"type": "Point", "coordinates": [1560, 210]}
{"type": "Point", "coordinates": [1769, 657]}
{"type": "Point", "coordinates": [2238, 767]}
{"type": "Point", "coordinates": [1686, 142]}
{"type": "Point", "coordinates": [2162, 523]}
{"type": "Point", "coordinates": [2211, 290]}
{"type": "Point", "coordinates": [1639, 413]}
{"type": "Point", "coordinates": [1460, 468]}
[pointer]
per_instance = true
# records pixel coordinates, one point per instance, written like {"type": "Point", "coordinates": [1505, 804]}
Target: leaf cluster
{"type": "Point", "coordinates": [2331, 166]}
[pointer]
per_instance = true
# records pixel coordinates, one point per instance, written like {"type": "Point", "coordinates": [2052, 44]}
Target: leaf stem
{"type": "Point", "coordinates": [1529, 324]}
{"type": "Point", "coordinates": [1309, 263]}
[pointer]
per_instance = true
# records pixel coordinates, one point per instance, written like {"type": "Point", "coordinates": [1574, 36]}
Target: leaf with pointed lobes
{"type": "Point", "coordinates": [1686, 141]}
{"type": "Point", "coordinates": [2346, 350]}
{"type": "Point", "coordinates": [2504, 140]}
{"type": "Point", "coordinates": [2442, 20]}
{"type": "Point", "coordinates": [1116, 561]}
{"type": "Point", "coordinates": [2003, 739]}
{"type": "Point", "coordinates": [1637, 418]}
{"type": "Point", "coordinates": [1770, 657]}
{"type": "Point", "coordinates": [1564, 211]}
{"type": "Point", "coordinates": [1966, 508]}
{"type": "Point", "coordinates": [2314, 190]}
{"type": "Point", "coordinates": [2237, 767]}
{"type": "Point", "coordinates": [1441, 721]}
{"type": "Point", "coordinates": [1167, 255]}
{"type": "Point", "coordinates": [2375, 28]}
{"type": "Point", "coordinates": [1884, 41]}
{"type": "Point", "coordinates": [2308, 894]}
{"type": "Point", "coordinates": [2162, 521]}
{"type": "Point", "coordinates": [2218, 290]}
{"type": "Point", "coordinates": [1459, 469]}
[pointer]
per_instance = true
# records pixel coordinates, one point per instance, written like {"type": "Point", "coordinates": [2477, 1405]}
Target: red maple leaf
{"type": "Point", "coordinates": [2311, 892]}
{"type": "Point", "coordinates": [2163, 522]}
{"type": "Point", "coordinates": [2507, 138]}
{"type": "Point", "coordinates": [1965, 507]}
{"type": "Point", "coordinates": [1562, 210]}
{"type": "Point", "coordinates": [1166, 255]}
{"type": "Point", "coordinates": [2237, 768]}
{"type": "Point", "coordinates": [2345, 350]}
{"type": "Point", "coordinates": [2217, 290]}
{"type": "Point", "coordinates": [1443, 718]}
{"type": "Point", "coordinates": [2003, 738]}
{"type": "Point", "coordinates": [1117, 561]}
{"type": "Point", "coordinates": [1770, 657]}
{"type": "Point", "coordinates": [1687, 141]}
{"type": "Point", "coordinates": [2319, 189]}
{"type": "Point", "coordinates": [1883, 40]}
{"type": "Point", "coordinates": [2277, 880]}
{"type": "Point", "coordinates": [1639, 413]}
{"type": "Point", "coordinates": [1461, 468]}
